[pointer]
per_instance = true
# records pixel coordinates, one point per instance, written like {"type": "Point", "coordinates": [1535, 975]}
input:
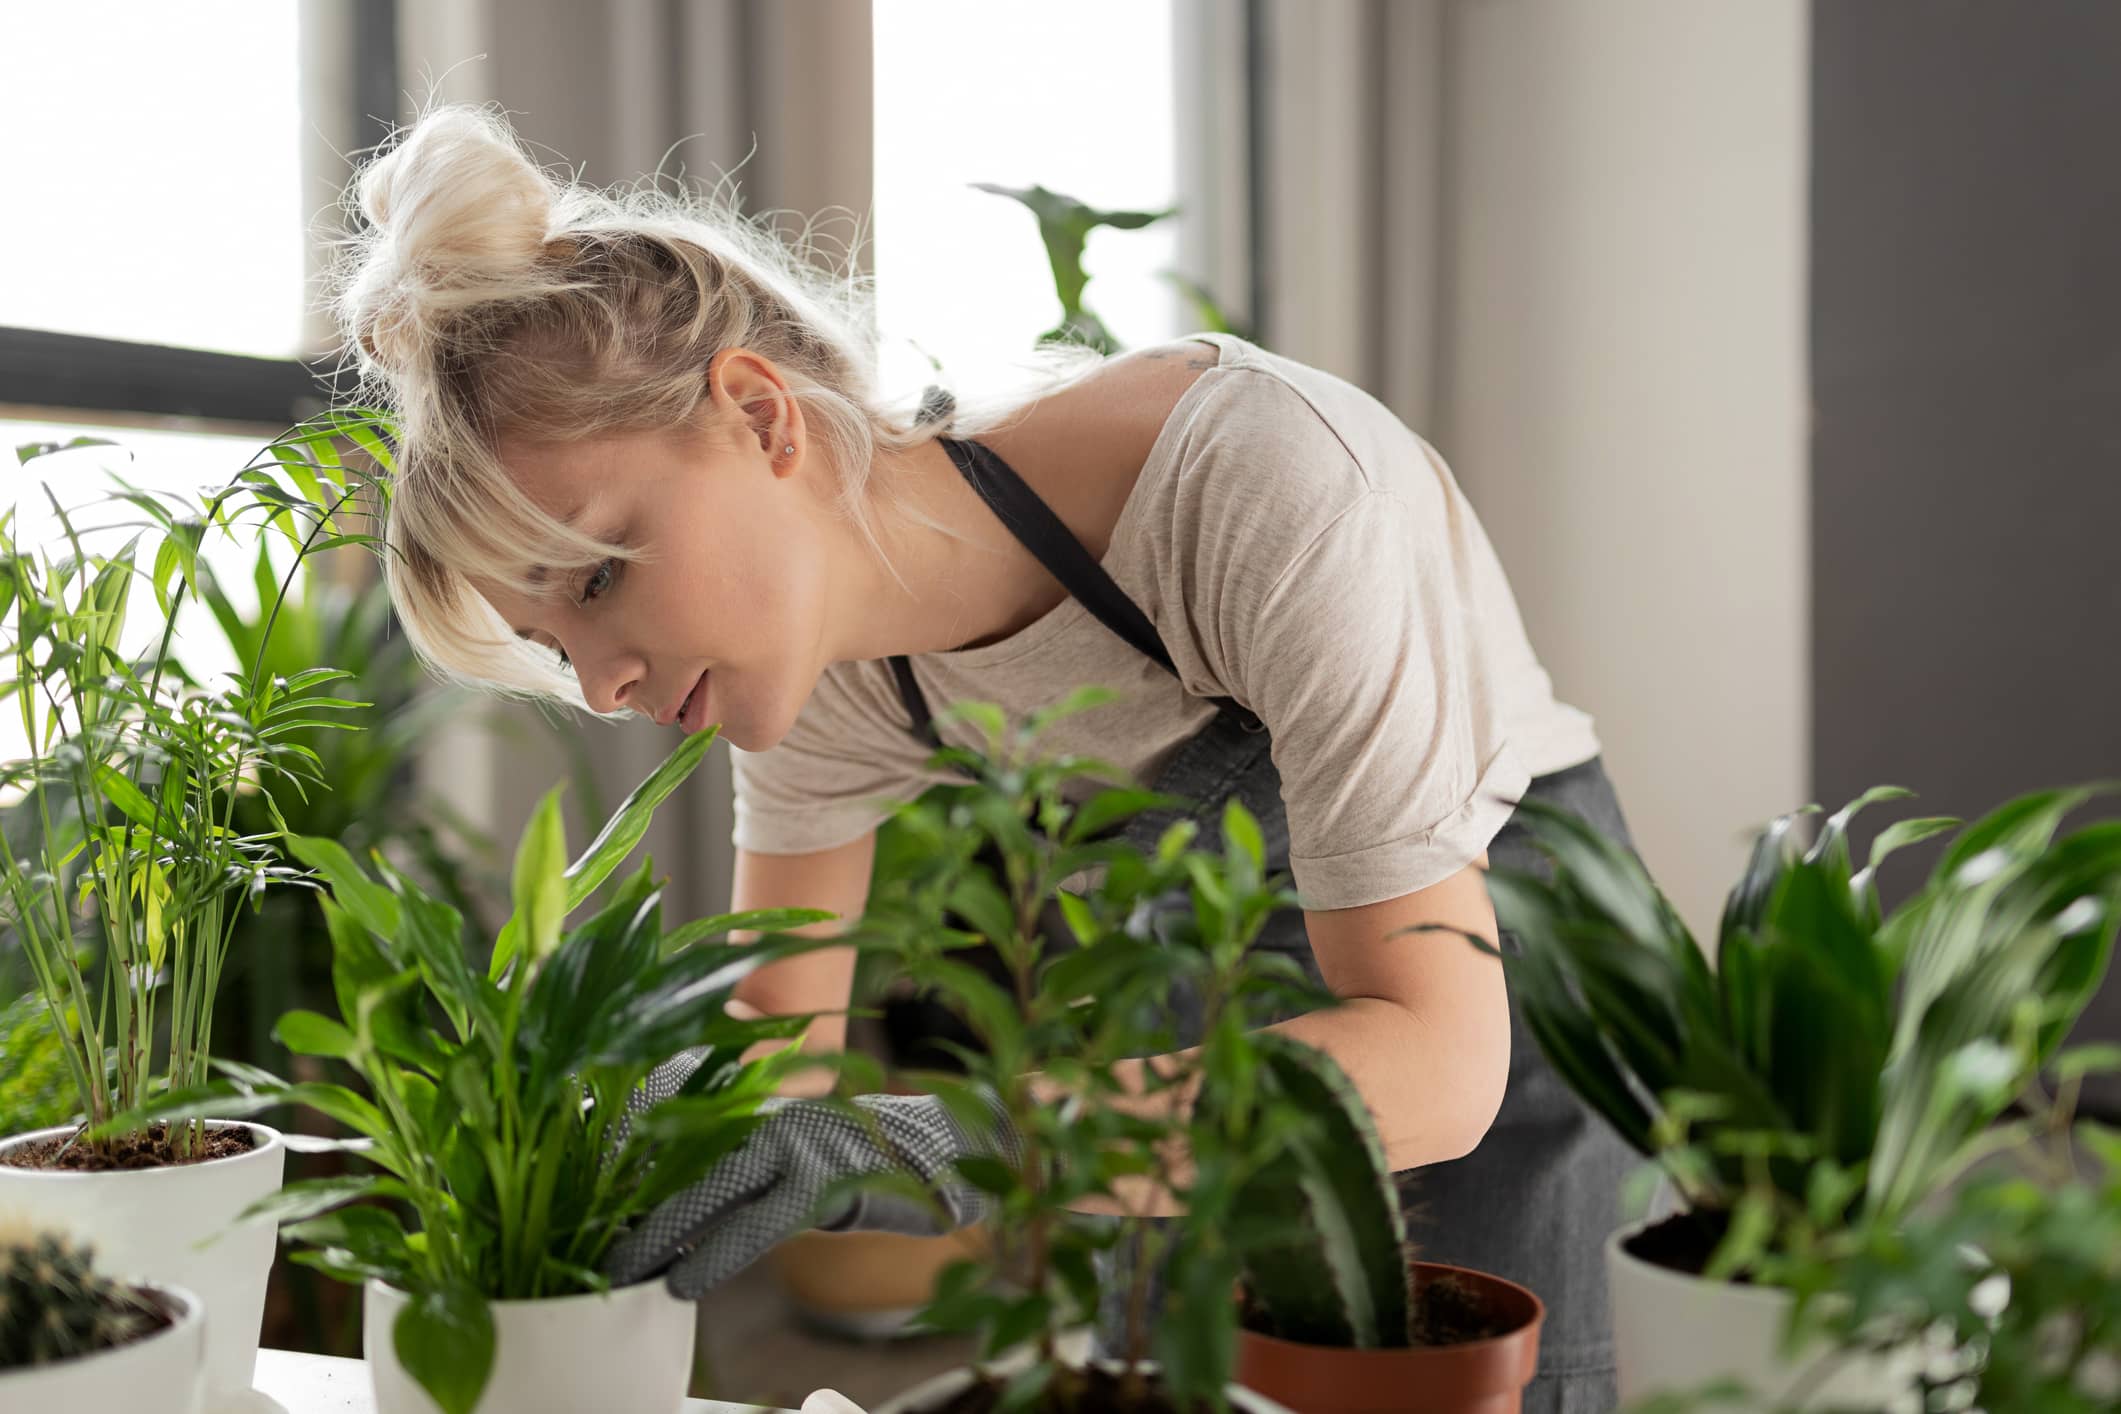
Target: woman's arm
{"type": "Point", "coordinates": [836, 880]}
{"type": "Point", "coordinates": [1423, 1029]}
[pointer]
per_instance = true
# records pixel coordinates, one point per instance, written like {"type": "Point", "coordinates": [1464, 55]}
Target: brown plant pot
{"type": "Point", "coordinates": [1473, 1377]}
{"type": "Point", "coordinates": [867, 1284]}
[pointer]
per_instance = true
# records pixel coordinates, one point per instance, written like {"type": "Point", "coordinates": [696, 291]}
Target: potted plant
{"type": "Point", "coordinates": [123, 877]}
{"type": "Point", "coordinates": [504, 1160]}
{"type": "Point", "coordinates": [1837, 1067]}
{"type": "Point", "coordinates": [1339, 1314]}
{"type": "Point", "coordinates": [1104, 1143]}
{"type": "Point", "coordinates": [2011, 1285]}
{"type": "Point", "coordinates": [71, 1338]}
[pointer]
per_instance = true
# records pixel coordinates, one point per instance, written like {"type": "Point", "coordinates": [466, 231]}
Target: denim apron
{"type": "Point", "coordinates": [1536, 1199]}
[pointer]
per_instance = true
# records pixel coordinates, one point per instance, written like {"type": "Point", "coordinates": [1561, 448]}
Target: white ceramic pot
{"type": "Point", "coordinates": [164, 1372]}
{"type": "Point", "coordinates": [931, 1393]}
{"type": "Point", "coordinates": [1674, 1333]}
{"type": "Point", "coordinates": [149, 1225]}
{"type": "Point", "coordinates": [627, 1349]}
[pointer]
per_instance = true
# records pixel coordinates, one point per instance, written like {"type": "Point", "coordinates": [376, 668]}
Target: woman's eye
{"type": "Point", "coordinates": [565, 664]}
{"type": "Point", "coordinates": [599, 579]}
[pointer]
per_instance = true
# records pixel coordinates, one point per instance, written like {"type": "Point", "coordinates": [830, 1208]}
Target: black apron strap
{"type": "Point", "coordinates": [1046, 536]}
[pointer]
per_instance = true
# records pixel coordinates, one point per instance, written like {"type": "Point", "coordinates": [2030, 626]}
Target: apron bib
{"type": "Point", "coordinates": [1536, 1199]}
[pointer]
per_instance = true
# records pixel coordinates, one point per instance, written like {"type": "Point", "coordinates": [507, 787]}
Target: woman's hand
{"type": "Point", "coordinates": [774, 1186]}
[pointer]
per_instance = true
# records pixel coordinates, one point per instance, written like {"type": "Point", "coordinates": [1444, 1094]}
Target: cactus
{"type": "Point", "coordinates": [53, 1305]}
{"type": "Point", "coordinates": [1339, 1276]}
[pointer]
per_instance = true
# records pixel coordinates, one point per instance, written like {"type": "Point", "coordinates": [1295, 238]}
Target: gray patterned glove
{"type": "Point", "coordinates": [771, 1188]}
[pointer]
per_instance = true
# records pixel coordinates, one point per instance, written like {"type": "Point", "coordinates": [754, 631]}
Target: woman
{"type": "Point", "coordinates": [644, 466]}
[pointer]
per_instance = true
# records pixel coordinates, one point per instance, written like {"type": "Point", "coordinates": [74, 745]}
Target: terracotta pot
{"type": "Point", "coordinates": [175, 1226]}
{"type": "Point", "coordinates": [867, 1284]}
{"type": "Point", "coordinates": [1475, 1377]}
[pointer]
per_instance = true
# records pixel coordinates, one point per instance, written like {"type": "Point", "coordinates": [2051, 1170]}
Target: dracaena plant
{"type": "Point", "coordinates": [125, 867]}
{"type": "Point", "coordinates": [1099, 1138]}
{"type": "Point", "coordinates": [496, 1120]}
{"type": "Point", "coordinates": [1838, 1066]}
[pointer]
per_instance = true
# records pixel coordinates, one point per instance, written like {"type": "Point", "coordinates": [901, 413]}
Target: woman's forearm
{"type": "Point", "coordinates": [824, 1036]}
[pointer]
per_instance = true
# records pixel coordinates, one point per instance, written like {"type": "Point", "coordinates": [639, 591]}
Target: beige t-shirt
{"type": "Point", "coordinates": [1298, 549]}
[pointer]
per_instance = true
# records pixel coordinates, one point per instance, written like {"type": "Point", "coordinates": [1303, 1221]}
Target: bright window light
{"type": "Point", "coordinates": [81, 480]}
{"type": "Point", "coordinates": [1075, 98]}
{"type": "Point", "coordinates": [153, 175]}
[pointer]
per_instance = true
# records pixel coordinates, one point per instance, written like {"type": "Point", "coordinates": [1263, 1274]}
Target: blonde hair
{"type": "Point", "coordinates": [488, 299]}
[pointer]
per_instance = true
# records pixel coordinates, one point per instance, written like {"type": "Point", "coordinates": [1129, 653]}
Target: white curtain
{"type": "Point", "coordinates": [608, 87]}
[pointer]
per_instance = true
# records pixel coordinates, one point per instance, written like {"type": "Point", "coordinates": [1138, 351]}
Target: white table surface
{"type": "Point", "coordinates": [289, 1382]}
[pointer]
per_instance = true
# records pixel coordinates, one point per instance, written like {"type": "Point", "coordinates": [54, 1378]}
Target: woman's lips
{"type": "Point", "coordinates": [692, 715]}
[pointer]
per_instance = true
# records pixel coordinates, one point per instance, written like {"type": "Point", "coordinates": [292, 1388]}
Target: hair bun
{"type": "Point", "coordinates": [457, 213]}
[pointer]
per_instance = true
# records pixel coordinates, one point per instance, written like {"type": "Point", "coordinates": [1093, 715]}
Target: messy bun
{"type": "Point", "coordinates": [485, 300]}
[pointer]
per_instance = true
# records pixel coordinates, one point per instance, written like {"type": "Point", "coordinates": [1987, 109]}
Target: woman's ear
{"type": "Point", "coordinates": [748, 383]}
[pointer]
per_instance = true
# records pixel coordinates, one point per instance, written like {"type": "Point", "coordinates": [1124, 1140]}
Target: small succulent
{"type": "Point", "coordinates": [54, 1306]}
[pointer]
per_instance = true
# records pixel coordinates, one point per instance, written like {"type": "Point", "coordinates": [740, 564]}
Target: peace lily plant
{"type": "Point", "coordinates": [124, 870]}
{"type": "Point", "coordinates": [505, 1156]}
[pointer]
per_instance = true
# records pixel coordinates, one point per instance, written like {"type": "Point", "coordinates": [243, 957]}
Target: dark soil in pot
{"type": "Point", "coordinates": [148, 1150]}
{"type": "Point", "coordinates": [1683, 1242]}
{"type": "Point", "coordinates": [1446, 1312]}
{"type": "Point", "coordinates": [1072, 1391]}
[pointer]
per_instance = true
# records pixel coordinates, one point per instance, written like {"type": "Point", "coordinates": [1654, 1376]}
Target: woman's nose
{"type": "Point", "coordinates": [614, 685]}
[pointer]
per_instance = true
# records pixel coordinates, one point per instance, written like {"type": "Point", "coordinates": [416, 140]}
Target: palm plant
{"type": "Point", "coordinates": [125, 864]}
{"type": "Point", "coordinates": [1838, 1066]}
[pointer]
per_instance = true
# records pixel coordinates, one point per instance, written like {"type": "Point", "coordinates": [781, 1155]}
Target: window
{"type": "Point", "coordinates": [167, 167]}
{"type": "Point", "coordinates": [189, 464]}
{"type": "Point", "coordinates": [1078, 99]}
{"type": "Point", "coordinates": [154, 173]}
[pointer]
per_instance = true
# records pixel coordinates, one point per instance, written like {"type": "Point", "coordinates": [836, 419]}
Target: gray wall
{"type": "Point", "coordinates": [1966, 377]}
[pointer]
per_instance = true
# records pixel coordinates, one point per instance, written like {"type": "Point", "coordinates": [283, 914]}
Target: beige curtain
{"type": "Point", "coordinates": [608, 87]}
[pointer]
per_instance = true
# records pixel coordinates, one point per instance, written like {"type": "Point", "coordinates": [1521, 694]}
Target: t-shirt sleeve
{"type": "Point", "coordinates": [832, 779]}
{"type": "Point", "coordinates": [1359, 657]}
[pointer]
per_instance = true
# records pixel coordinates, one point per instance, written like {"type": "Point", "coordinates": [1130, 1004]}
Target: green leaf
{"type": "Point", "coordinates": [1097, 816]}
{"type": "Point", "coordinates": [630, 822]}
{"type": "Point", "coordinates": [445, 1341]}
{"type": "Point", "coordinates": [2098, 1059]}
{"type": "Point", "coordinates": [538, 887]}
{"type": "Point", "coordinates": [1241, 831]}
{"type": "Point", "coordinates": [307, 1034]}
{"type": "Point", "coordinates": [307, 1199]}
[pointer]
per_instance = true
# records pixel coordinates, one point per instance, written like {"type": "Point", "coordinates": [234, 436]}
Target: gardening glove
{"type": "Point", "coordinates": [771, 1188]}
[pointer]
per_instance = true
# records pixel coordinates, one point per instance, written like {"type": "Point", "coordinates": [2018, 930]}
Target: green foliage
{"type": "Point", "coordinates": [1838, 1067]}
{"type": "Point", "coordinates": [54, 1306]}
{"type": "Point", "coordinates": [1111, 1132]}
{"type": "Point", "coordinates": [35, 1090]}
{"type": "Point", "coordinates": [496, 1116]}
{"type": "Point", "coordinates": [366, 794]}
{"type": "Point", "coordinates": [125, 867]}
{"type": "Point", "coordinates": [2038, 1236]}
{"type": "Point", "coordinates": [1064, 227]}
{"type": "Point", "coordinates": [1331, 1268]}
